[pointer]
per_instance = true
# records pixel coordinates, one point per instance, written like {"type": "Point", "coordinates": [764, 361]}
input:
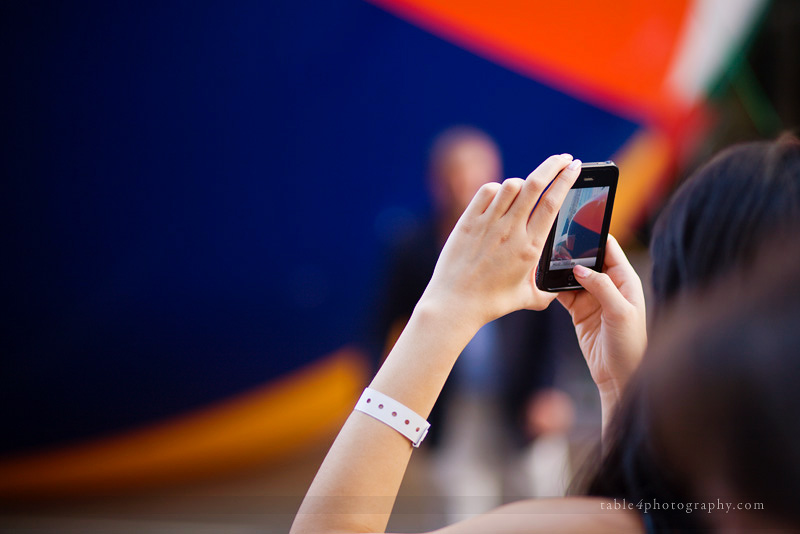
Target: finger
{"type": "Point", "coordinates": [602, 288]}
{"type": "Point", "coordinates": [505, 197]}
{"type": "Point", "coordinates": [622, 273]}
{"type": "Point", "coordinates": [537, 182]}
{"type": "Point", "coordinates": [542, 218]}
{"type": "Point", "coordinates": [482, 199]}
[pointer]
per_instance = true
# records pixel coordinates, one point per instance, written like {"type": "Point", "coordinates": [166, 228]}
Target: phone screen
{"type": "Point", "coordinates": [579, 227]}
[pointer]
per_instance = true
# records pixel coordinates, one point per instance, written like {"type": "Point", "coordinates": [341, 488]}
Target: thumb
{"type": "Point", "coordinates": [601, 288]}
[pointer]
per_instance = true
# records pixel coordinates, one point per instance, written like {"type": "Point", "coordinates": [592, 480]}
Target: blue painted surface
{"type": "Point", "coordinates": [197, 192]}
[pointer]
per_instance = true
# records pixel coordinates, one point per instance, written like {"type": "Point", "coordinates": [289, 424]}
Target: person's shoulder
{"type": "Point", "coordinates": [589, 515]}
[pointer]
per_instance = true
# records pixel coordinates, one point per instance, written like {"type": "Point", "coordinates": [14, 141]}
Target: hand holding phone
{"type": "Point", "coordinates": [579, 234]}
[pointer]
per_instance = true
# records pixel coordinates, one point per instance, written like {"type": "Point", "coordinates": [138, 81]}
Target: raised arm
{"type": "Point", "coordinates": [485, 270]}
{"type": "Point", "coordinates": [609, 318]}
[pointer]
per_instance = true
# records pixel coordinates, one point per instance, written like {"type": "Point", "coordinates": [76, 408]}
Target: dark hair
{"type": "Point", "coordinates": [723, 393]}
{"type": "Point", "coordinates": [628, 468]}
{"type": "Point", "coordinates": [714, 225]}
{"type": "Point", "coordinates": [719, 217]}
{"type": "Point", "coordinates": [714, 410]}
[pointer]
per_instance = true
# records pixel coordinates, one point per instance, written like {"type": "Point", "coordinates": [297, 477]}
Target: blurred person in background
{"type": "Point", "coordinates": [500, 425]}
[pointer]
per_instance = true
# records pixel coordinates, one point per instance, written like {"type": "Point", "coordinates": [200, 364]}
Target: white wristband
{"type": "Point", "coordinates": [387, 410]}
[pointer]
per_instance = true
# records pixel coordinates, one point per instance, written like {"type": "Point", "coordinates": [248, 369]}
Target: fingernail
{"type": "Point", "coordinates": [566, 155]}
{"type": "Point", "coordinates": [575, 164]}
{"type": "Point", "coordinates": [580, 271]}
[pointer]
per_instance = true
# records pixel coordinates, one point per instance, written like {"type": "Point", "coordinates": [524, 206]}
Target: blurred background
{"type": "Point", "coordinates": [203, 203]}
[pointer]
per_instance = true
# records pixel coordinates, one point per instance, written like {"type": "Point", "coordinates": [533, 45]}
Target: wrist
{"type": "Point", "coordinates": [450, 312]}
{"type": "Point", "coordinates": [611, 390]}
{"type": "Point", "coordinates": [424, 354]}
{"type": "Point", "coordinates": [610, 394]}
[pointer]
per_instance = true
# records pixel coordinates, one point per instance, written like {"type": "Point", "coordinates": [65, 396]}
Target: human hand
{"type": "Point", "coordinates": [609, 318]}
{"type": "Point", "coordinates": [487, 266]}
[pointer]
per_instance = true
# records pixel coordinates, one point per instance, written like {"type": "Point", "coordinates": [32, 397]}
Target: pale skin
{"type": "Point", "coordinates": [485, 271]}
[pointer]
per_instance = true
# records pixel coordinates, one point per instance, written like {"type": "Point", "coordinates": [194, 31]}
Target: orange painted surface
{"type": "Point", "coordinates": [254, 428]}
{"type": "Point", "coordinates": [615, 55]}
{"type": "Point", "coordinates": [643, 164]}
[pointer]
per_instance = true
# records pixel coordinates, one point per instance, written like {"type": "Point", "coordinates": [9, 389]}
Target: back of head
{"type": "Point", "coordinates": [462, 158]}
{"type": "Point", "coordinates": [718, 218]}
{"type": "Point", "coordinates": [713, 414]}
{"type": "Point", "coordinates": [721, 390]}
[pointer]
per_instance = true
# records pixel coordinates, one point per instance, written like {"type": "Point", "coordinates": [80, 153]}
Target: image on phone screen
{"type": "Point", "coordinates": [578, 228]}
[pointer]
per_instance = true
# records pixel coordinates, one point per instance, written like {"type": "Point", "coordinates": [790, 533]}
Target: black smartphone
{"type": "Point", "coordinates": [581, 229]}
